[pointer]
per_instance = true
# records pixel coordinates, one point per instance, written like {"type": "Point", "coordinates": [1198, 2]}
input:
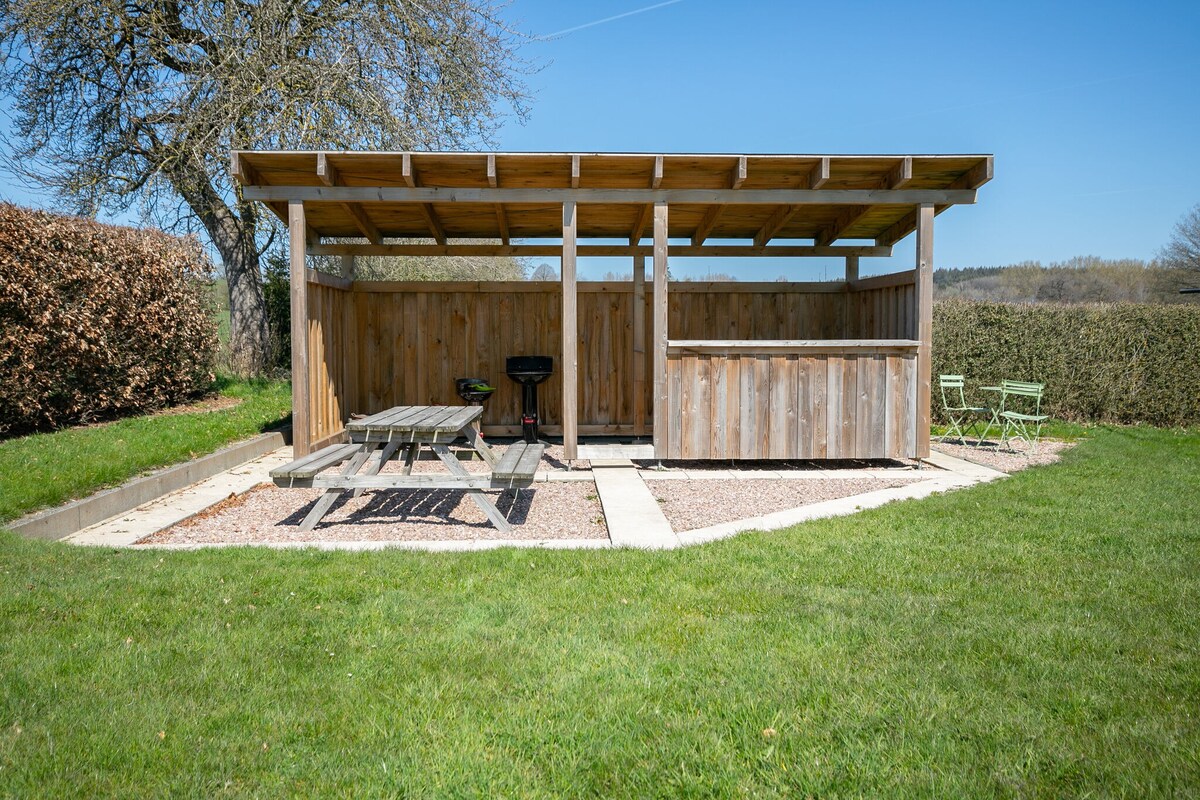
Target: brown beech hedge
{"type": "Point", "coordinates": [1122, 362]}
{"type": "Point", "coordinates": [98, 321]}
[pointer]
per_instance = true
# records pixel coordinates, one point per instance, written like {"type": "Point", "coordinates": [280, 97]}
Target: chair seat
{"type": "Point", "coordinates": [1025, 417]}
{"type": "Point", "coordinates": [969, 409]}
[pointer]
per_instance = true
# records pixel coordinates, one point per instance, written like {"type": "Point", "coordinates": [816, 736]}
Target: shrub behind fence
{"type": "Point", "coordinates": [1124, 362]}
{"type": "Point", "coordinates": [98, 321]}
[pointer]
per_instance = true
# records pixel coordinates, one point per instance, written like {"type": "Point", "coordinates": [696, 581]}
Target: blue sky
{"type": "Point", "coordinates": [1091, 109]}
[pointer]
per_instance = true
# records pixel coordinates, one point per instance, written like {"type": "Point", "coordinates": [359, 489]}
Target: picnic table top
{"type": "Point", "coordinates": [418, 419]}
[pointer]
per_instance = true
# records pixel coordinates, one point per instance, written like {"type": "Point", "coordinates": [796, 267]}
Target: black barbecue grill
{"type": "Point", "coordinates": [529, 371]}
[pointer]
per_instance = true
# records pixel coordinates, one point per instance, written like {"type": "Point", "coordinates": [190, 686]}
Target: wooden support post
{"type": "Point", "coordinates": [297, 242]}
{"type": "Point", "coordinates": [924, 293]}
{"type": "Point", "coordinates": [660, 330]}
{"type": "Point", "coordinates": [348, 267]}
{"type": "Point", "coordinates": [639, 345]}
{"type": "Point", "coordinates": [570, 338]}
{"type": "Point", "coordinates": [851, 272]}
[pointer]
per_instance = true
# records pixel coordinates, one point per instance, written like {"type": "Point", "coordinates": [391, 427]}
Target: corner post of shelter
{"type": "Point", "coordinates": [660, 330]}
{"type": "Point", "coordinates": [570, 336]}
{"type": "Point", "coordinates": [297, 244]}
{"type": "Point", "coordinates": [924, 267]}
{"type": "Point", "coordinates": [639, 345]}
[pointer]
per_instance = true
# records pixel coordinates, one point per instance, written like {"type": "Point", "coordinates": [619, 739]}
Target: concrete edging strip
{"type": "Point", "coordinates": [61, 522]}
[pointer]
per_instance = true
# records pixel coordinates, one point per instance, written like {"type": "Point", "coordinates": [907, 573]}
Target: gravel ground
{"type": "Point", "coordinates": [697, 504]}
{"type": "Point", "coordinates": [270, 514]}
{"type": "Point", "coordinates": [1005, 460]}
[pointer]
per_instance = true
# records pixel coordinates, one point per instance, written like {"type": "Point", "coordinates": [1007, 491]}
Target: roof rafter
{"type": "Point", "coordinates": [846, 219]}
{"type": "Point", "coordinates": [782, 216]}
{"type": "Point", "coordinates": [329, 176]}
{"type": "Point", "coordinates": [410, 177]}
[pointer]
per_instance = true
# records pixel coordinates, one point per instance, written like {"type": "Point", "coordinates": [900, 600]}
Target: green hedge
{"type": "Point", "coordinates": [98, 321]}
{"type": "Point", "coordinates": [1123, 362]}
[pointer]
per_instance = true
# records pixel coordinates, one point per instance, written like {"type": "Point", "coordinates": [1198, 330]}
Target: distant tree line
{"type": "Point", "coordinates": [1083, 279]}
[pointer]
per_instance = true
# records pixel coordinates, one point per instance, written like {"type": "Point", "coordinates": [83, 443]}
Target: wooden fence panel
{"type": "Point", "coordinates": [742, 404]}
{"type": "Point", "coordinates": [376, 345]}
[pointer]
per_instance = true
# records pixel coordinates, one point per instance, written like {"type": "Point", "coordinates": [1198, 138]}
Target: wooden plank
{"type": "Point", "coordinates": [781, 388]}
{"type": "Point", "coordinates": [314, 462]}
{"type": "Point", "coordinates": [639, 345]}
{"type": "Point", "coordinates": [733, 407]}
{"type": "Point", "coordinates": [551, 195]}
{"type": "Point", "coordinates": [818, 373]}
{"type": "Point", "coordinates": [847, 218]}
{"type": "Point", "coordinates": [739, 173]}
{"type": "Point", "coordinates": [849, 409]}
{"type": "Point", "coordinates": [718, 407]}
{"type": "Point", "coordinates": [569, 368]}
{"type": "Point", "coordinates": [656, 178]}
{"type": "Point", "coordinates": [762, 407]}
{"type": "Point", "coordinates": [659, 325]}
{"type": "Point", "coordinates": [631, 249]}
{"type": "Point", "coordinates": [707, 222]}
{"type": "Point", "coordinates": [833, 406]}
{"type": "Point", "coordinates": [820, 174]}
{"type": "Point", "coordinates": [424, 482]}
{"type": "Point", "coordinates": [301, 421]}
{"type": "Point", "coordinates": [782, 216]}
{"type": "Point", "coordinates": [924, 294]}
{"type": "Point", "coordinates": [888, 280]}
{"type": "Point", "coordinates": [483, 501]}
{"type": "Point", "coordinates": [639, 227]}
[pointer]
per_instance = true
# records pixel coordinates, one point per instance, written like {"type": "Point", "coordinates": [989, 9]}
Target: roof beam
{"type": "Point", "coordinates": [502, 222]}
{"type": "Point", "coordinates": [819, 175]}
{"type": "Point", "coordinates": [363, 223]}
{"type": "Point", "coordinates": [976, 176]}
{"type": "Point", "coordinates": [243, 172]}
{"type": "Point", "coordinates": [329, 176]}
{"type": "Point", "coordinates": [782, 216]}
{"type": "Point", "coordinates": [707, 223]}
{"type": "Point", "coordinates": [494, 182]}
{"type": "Point", "coordinates": [847, 218]}
{"type": "Point", "coordinates": [326, 172]}
{"type": "Point", "coordinates": [720, 251]}
{"type": "Point", "coordinates": [439, 194]}
{"type": "Point", "coordinates": [410, 177]}
{"type": "Point", "coordinates": [906, 225]}
{"type": "Point", "coordinates": [739, 174]}
{"type": "Point", "coordinates": [901, 175]}
{"type": "Point", "coordinates": [656, 181]}
{"type": "Point", "coordinates": [639, 227]}
{"type": "Point", "coordinates": [574, 172]}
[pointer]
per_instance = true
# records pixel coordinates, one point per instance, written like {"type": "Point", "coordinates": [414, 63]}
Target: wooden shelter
{"type": "Point", "coordinates": [832, 369]}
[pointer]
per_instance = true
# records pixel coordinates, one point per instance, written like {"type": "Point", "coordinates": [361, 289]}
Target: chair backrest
{"type": "Point", "coordinates": [1025, 389]}
{"type": "Point", "coordinates": [953, 383]}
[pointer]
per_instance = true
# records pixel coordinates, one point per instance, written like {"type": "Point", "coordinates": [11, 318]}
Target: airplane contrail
{"type": "Point", "coordinates": [594, 23]}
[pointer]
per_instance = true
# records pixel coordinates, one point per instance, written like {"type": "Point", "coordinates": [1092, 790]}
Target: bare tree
{"type": "Point", "coordinates": [124, 101]}
{"type": "Point", "coordinates": [1182, 253]}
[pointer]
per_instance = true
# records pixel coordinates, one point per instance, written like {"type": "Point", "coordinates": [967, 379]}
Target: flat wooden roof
{"type": "Point", "coordinates": [505, 196]}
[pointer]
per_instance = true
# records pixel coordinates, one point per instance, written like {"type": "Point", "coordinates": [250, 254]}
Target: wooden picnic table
{"type": "Point", "coordinates": [400, 432]}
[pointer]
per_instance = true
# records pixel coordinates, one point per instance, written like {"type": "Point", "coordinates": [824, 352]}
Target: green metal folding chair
{"type": "Point", "coordinates": [1021, 424]}
{"type": "Point", "coordinates": [954, 405]}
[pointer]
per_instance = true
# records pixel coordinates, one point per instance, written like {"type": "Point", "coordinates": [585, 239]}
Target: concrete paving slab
{"type": "Point", "coordinates": [633, 515]}
{"type": "Point", "coordinates": [125, 529]}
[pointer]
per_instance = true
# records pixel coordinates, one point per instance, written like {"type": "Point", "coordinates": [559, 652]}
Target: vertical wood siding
{"type": "Point", "coordinates": [386, 344]}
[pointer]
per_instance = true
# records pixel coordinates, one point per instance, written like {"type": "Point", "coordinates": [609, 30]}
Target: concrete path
{"type": "Point", "coordinates": [634, 516]}
{"type": "Point", "coordinates": [127, 528]}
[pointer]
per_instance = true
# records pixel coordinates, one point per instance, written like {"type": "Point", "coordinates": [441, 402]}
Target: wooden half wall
{"type": "Point", "coordinates": [373, 345]}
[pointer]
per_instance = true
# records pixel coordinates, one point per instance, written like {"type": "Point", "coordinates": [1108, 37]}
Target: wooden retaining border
{"type": "Point", "coordinates": [58, 523]}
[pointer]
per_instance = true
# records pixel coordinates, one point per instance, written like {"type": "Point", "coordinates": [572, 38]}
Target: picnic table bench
{"type": "Point", "coordinates": [401, 432]}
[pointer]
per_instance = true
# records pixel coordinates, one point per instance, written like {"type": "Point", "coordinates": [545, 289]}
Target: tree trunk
{"type": "Point", "coordinates": [249, 339]}
{"type": "Point", "coordinates": [234, 237]}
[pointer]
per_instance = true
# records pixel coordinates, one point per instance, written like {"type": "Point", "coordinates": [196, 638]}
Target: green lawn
{"type": "Point", "coordinates": [1037, 636]}
{"type": "Point", "coordinates": [49, 468]}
